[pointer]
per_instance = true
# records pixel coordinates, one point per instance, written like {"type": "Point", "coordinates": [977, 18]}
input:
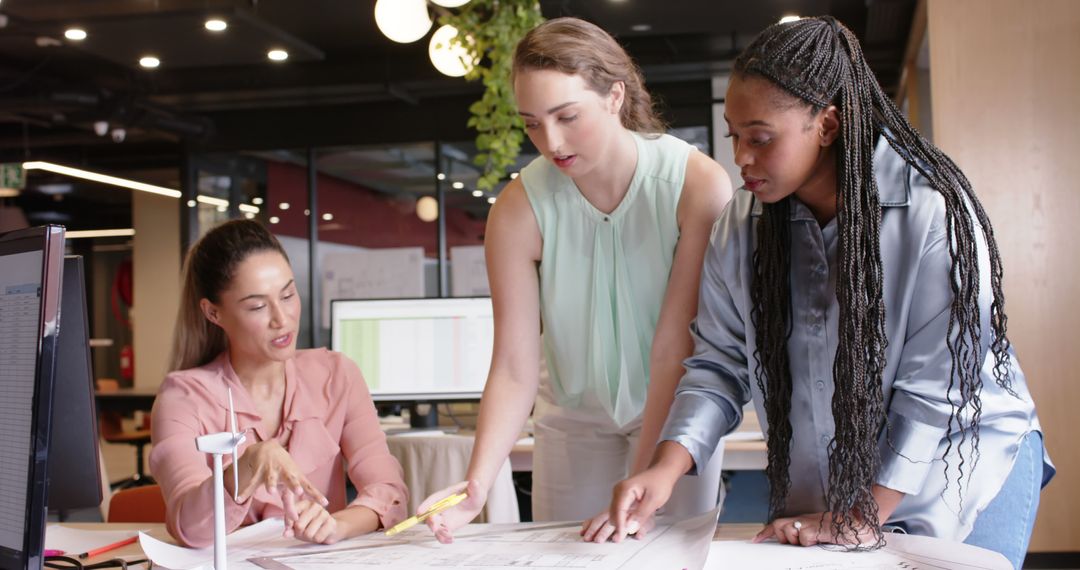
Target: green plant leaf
{"type": "Point", "coordinates": [490, 30]}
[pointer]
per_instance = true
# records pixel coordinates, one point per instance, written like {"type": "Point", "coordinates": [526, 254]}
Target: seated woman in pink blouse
{"type": "Point", "coordinates": [307, 412]}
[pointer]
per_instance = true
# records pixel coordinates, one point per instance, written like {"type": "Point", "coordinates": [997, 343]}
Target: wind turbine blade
{"type": "Point", "coordinates": [236, 476]}
{"type": "Point", "coordinates": [232, 414]}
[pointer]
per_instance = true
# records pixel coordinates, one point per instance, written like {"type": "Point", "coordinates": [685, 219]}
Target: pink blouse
{"type": "Point", "coordinates": [328, 420]}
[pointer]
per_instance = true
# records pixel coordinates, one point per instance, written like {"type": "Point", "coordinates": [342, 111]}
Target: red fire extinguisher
{"type": "Point", "coordinates": [127, 362]}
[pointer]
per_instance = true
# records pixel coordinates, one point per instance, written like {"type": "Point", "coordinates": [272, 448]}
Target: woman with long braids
{"type": "Point", "coordinates": [853, 290]}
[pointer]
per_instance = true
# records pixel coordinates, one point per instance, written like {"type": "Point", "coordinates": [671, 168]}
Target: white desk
{"type": "Point", "coordinates": [974, 558]}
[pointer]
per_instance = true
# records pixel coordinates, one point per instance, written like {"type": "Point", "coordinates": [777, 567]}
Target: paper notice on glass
{"type": "Point", "coordinates": [901, 551]}
{"type": "Point", "coordinates": [682, 544]}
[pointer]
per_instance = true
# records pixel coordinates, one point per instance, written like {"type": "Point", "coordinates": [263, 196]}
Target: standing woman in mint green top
{"type": "Point", "coordinates": [599, 244]}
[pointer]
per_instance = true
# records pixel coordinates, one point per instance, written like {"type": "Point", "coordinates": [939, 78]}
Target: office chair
{"type": "Point", "coordinates": [143, 504]}
{"type": "Point", "coordinates": [112, 431]}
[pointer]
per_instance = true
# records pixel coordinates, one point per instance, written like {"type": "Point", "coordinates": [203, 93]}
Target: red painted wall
{"type": "Point", "coordinates": [362, 216]}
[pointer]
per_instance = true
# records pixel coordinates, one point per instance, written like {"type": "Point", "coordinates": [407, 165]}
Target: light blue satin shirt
{"type": "Point", "coordinates": [915, 257]}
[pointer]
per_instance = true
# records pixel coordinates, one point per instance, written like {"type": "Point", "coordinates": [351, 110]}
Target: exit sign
{"type": "Point", "coordinates": [12, 175]}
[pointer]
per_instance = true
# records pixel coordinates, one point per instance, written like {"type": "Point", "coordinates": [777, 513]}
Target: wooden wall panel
{"type": "Point", "coordinates": [1005, 91]}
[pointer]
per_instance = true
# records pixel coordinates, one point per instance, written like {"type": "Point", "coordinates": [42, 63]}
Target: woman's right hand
{"type": "Point", "coordinates": [445, 523]}
{"type": "Point", "coordinates": [635, 500]}
{"type": "Point", "coordinates": [268, 464]}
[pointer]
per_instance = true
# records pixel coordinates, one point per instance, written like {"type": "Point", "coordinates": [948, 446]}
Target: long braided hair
{"type": "Point", "coordinates": [819, 61]}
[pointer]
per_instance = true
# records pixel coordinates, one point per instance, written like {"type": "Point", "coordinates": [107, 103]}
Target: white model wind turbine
{"type": "Point", "coordinates": [219, 444]}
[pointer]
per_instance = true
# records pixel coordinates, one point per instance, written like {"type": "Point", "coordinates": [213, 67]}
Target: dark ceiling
{"type": "Point", "coordinates": [344, 82]}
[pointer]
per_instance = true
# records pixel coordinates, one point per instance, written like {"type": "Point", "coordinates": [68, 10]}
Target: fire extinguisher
{"type": "Point", "coordinates": [127, 362]}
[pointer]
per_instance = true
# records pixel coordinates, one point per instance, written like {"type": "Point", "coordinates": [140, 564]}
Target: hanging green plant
{"type": "Point", "coordinates": [489, 30]}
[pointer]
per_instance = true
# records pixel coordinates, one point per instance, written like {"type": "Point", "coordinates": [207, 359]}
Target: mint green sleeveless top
{"type": "Point", "coordinates": [603, 277]}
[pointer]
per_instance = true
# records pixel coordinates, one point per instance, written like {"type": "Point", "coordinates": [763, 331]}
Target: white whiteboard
{"type": "Point", "coordinates": [361, 273]}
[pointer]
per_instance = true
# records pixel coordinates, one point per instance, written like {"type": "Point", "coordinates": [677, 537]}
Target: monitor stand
{"type": "Point", "coordinates": [423, 415]}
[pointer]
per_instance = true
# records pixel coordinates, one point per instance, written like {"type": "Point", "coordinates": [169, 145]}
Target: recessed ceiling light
{"type": "Point", "coordinates": [149, 62]}
{"type": "Point", "coordinates": [491, 200]}
{"type": "Point", "coordinates": [283, 205]}
{"type": "Point", "coordinates": [191, 203]}
{"type": "Point", "coordinates": [257, 201]}
{"type": "Point", "coordinates": [640, 27]}
{"type": "Point", "coordinates": [458, 185]}
{"type": "Point", "coordinates": [249, 215]}
{"type": "Point", "coordinates": [216, 25]}
{"type": "Point", "coordinates": [75, 34]}
{"type": "Point", "coordinates": [440, 176]}
{"type": "Point", "coordinates": [327, 216]}
{"type": "Point", "coordinates": [274, 219]}
{"type": "Point", "coordinates": [789, 18]}
{"type": "Point", "coordinates": [477, 193]}
{"type": "Point", "coordinates": [277, 55]}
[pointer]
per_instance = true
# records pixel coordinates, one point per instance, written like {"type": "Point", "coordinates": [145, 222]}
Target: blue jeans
{"type": "Point", "coordinates": [1005, 526]}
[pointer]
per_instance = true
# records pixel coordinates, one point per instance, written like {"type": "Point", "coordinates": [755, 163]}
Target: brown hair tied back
{"type": "Point", "coordinates": [210, 266]}
{"type": "Point", "coordinates": [576, 47]}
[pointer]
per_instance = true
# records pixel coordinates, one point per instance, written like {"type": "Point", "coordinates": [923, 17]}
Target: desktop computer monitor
{"type": "Point", "coordinates": [30, 277]}
{"type": "Point", "coordinates": [74, 464]}
{"type": "Point", "coordinates": [417, 350]}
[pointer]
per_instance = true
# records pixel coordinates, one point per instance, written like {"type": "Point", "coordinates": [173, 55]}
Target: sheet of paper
{"type": "Point", "coordinates": [76, 541]}
{"type": "Point", "coordinates": [901, 551]}
{"type": "Point", "coordinates": [512, 546]}
{"type": "Point", "coordinates": [260, 539]}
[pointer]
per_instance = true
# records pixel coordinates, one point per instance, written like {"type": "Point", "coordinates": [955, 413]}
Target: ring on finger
{"type": "Point", "coordinates": [797, 525]}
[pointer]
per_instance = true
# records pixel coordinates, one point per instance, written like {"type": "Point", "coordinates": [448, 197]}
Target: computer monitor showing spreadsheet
{"type": "Point", "coordinates": [417, 349]}
{"type": "Point", "coordinates": [30, 273]}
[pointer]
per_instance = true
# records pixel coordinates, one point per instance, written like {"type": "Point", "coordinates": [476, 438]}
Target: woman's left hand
{"type": "Point", "coordinates": [310, 521]}
{"type": "Point", "coordinates": [811, 529]}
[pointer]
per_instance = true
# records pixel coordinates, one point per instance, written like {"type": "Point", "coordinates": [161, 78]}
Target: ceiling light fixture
{"type": "Point", "coordinates": [274, 219]}
{"type": "Point", "coordinates": [449, 58]}
{"type": "Point", "coordinates": [477, 193]}
{"type": "Point", "coordinates": [491, 200]}
{"type": "Point", "coordinates": [257, 200]}
{"type": "Point", "coordinates": [277, 55]}
{"type": "Point", "coordinates": [283, 205]}
{"type": "Point", "coordinates": [327, 217]}
{"type": "Point", "coordinates": [427, 209]}
{"type": "Point", "coordinates": [102, 178]}
{"type": "Point", "coordinates": [216, 25]}
{"type": "Point", "coordinates": [440, 176]}
{"type": "Point", "coordinates": [149, 61]}
{"type": "Point", "coordinates": [403, 21]}
{"type": "Point", "coordinates": [99, 233]}
{"type": "Point", "coordinates": [458, 185]}
{"type": "Point", "coordinates": [130, 184]}
{"type": "Point", "coordinates": [75, 34]}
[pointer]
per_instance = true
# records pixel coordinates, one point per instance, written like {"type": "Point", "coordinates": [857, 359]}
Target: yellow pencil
{"type": "Point", "coordinates": [437, 508]}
